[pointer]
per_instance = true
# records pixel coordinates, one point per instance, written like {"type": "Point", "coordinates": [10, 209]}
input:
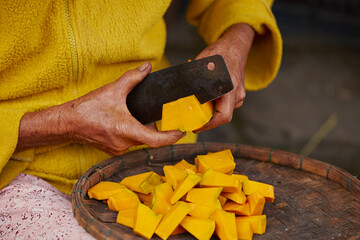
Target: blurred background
{"type": "Point", "coordinates": [313, 105]}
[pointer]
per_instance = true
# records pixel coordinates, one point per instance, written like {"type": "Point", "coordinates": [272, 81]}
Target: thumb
{"type": "Point", "coordinates": [133, 77]}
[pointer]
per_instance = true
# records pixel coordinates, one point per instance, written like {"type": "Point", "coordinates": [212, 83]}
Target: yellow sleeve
{"type": "Point", "coordinates": [213, 17]}
{"type": "Point", "coordinates": [11, 165]}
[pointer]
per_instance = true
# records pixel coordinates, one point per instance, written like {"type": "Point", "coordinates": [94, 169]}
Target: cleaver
{"type": "Point", "coordinates": [206, 78]}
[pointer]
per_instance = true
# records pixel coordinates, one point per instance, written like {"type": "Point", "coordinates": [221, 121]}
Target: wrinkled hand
{"type": "Point", "coordinates": [234, 47]}
{"type": "Point", "coordinates": [101, 118]}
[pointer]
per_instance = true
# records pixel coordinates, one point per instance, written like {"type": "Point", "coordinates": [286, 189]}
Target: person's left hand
{"type": "Point", "coordinates": [234, 47]}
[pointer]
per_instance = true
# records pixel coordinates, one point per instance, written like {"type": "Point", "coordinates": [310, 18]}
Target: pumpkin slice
{"type": "Point", "coordinates": [178, 230]}
{"type": "Point", "coordinates": [188, 183]}
{"type": "Point", "coordinates": [198, 210]}
{"type": "Point", "coordinates": [240, 178]}
{"type": "Point", "coordinates": [221, 162]}
{"type": "Point", "coordinates": [139, 183]}
{"type": "Point", "coordinates": [256, 202]}
{"type": "Point", "coordinates": [238, 209]}
{"type": "Point", "coordinates": [154, 179]}
{"type": "Point", "coordinates": [201, 228]}
{"type": "Point", "coordinates": [257, 223]}
{"type": "Point", "coordinates": [172, 219]}
{"type": "Point", "coordinates": [192, 114]}
{"type": "Point", "coordinates": [185, 114]}
{"type": "Point", "coordinates": [174, 175]}
{"type": "Point", "coordinates": [266, 190]}
{"type": "Point", "coordinates": [225, 224]}
{"type": "Point", "coordinates": [171, 117]}
{"type": "Point", "coordinates": [205, 196]}
{"type": "Point", "coordinates": [222, 200]}
{"type": "Point", "coordinates": [161, 200]}
{"type": "Point", "coordinates": [126, 217]}
{"type": "Point", "coordinates": [212, 178]}
{"type": "Point", "coordinates": [244, 230]}
{"type": "Point", "coordinates": [185, 166]}
{"type": "Point", "coordinates": [238, 196]}
{"type": "Point", "coordinates": [146, 198]}
{"type": "Point", "coordinates": [145, 221]}
{"type": "Point", "coordinates": [103, 190]}
{"type": "Point", "coordinates": [125, 199]}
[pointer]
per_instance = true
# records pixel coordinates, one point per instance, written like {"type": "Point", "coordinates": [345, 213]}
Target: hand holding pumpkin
{"type": "Point", "coordinates": [234, 46]}
{"type": "Point", "coordinates": [99, 118]}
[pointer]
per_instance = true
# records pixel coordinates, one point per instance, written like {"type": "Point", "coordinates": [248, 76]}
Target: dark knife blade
{"type": "Point", "coordinates": [192, 78]}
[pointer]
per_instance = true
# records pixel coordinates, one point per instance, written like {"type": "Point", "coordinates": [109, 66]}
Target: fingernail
{"type": "Point", "coordinates": [144, 66]}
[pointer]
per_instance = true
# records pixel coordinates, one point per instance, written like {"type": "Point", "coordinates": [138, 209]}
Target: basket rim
{"type": "Point", "coordinates": [247, 152]}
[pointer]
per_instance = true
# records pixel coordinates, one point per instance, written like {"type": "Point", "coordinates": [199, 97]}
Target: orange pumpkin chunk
{"type": "Point", "coordinates": [201, 228]}
{"type": "Point", "coordinates": [257, 223]}
{"type": "Point", "coordinates": [222, 161]}
{"type": "Point", "coordinates": [225, 224]}
{"type": "Point", "coordinates": [126, 217]}
{"type": "Point", "coordinates": [103, 190]}
{"type": "Point", "coordinates": [146, 221]}
{"type": "Point", "coordinates": [238, 209]}
{"type": "Point", "coordinates": [172, 219]}
{"type": "Point", "coordinates": [212, 178]}
{"type": "Point", "coordinates": [256, 202]}
{"type": "Point", "coordinates": [266, 190]}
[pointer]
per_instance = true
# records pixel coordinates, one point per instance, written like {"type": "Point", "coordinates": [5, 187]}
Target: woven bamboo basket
{"type": "Point", "coordinates": [313, 200]}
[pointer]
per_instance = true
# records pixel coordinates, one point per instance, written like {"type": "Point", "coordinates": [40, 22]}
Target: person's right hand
{"type": "Point", "coordinates": [102, 119]}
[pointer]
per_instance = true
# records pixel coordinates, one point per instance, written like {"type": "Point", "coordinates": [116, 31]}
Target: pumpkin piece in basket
{"type": "Point", "coordinates": [244, 230]}
{"type": "Point", "coordinates": [240, 178]}
{"type": "Point", "coordinates": [163, 178]}
{"type": "Point", "coordinates": [178, 230]}
{"type": "Point", "coordinates": [266, 190]}
{"type": "Point", "coordinates": [238, 209]}
{"type": "Point", "coordinates": [146, 221]}
{"type": "Point", "coordinates": [185, 186]}
{"type": "Point", "coordinates": [125, 199]}
{"type": "Point", "coordinates": [222, 161]}
{"type": "Point", "coordinates": [126, 217]}
{"type": "Point", "coordinates": [154, 179]}
{"type": "Point", "coordinates": [205, 196]}
{"type": "Point", "coordinates": [222, 200]}
{"type": "Point", "coordinates": [237, 196]}
{"type": "Point", "coordinates": [103, 190]}
{"type": "Point", "coordinates": [212, 178]}
{"type": "Point", "coordinates": [201, 228]}
{"type": "Point", "coordinates": [174, 175]}
{"type": "Point", "coordinates": [225, 226]}
{"type": "Point", "coordinates": [172, 219]}
{"type": "Point", "coordinates": [139, 183]}
{"type": "Point", "coordinates": [256, 202]}
{"type": "Point", "coordinates": [146, 198]}
{"type": "Point", "coordinates": [184, 165]}
{"type": "Point", "coordinates": [257, 223]}
{"type": "Point", "coordinates": [161, 200]}
{"type": "Point", "coordinates": [198, 210]}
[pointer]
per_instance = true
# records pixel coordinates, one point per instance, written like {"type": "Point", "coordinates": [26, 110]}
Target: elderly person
{"type": "Point", "coordinates": [66, 68]}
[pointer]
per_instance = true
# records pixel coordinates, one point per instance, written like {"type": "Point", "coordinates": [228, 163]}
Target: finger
{"type": "Point", "coordinates": [223, 113]}
{"type": "Point", "coordinates": [239, 104]}
{"type": "Point", "coordinates": [133, 77]}
{"type": "Point", "coordinates": [153, 138]}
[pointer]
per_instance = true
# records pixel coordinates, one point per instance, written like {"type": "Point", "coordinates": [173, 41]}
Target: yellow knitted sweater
{"type": "Point", "coordinates": [52, 51]}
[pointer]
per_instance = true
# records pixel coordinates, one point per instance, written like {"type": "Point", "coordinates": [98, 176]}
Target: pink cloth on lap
{"type": "Point", "coordinates": [31, 208]}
